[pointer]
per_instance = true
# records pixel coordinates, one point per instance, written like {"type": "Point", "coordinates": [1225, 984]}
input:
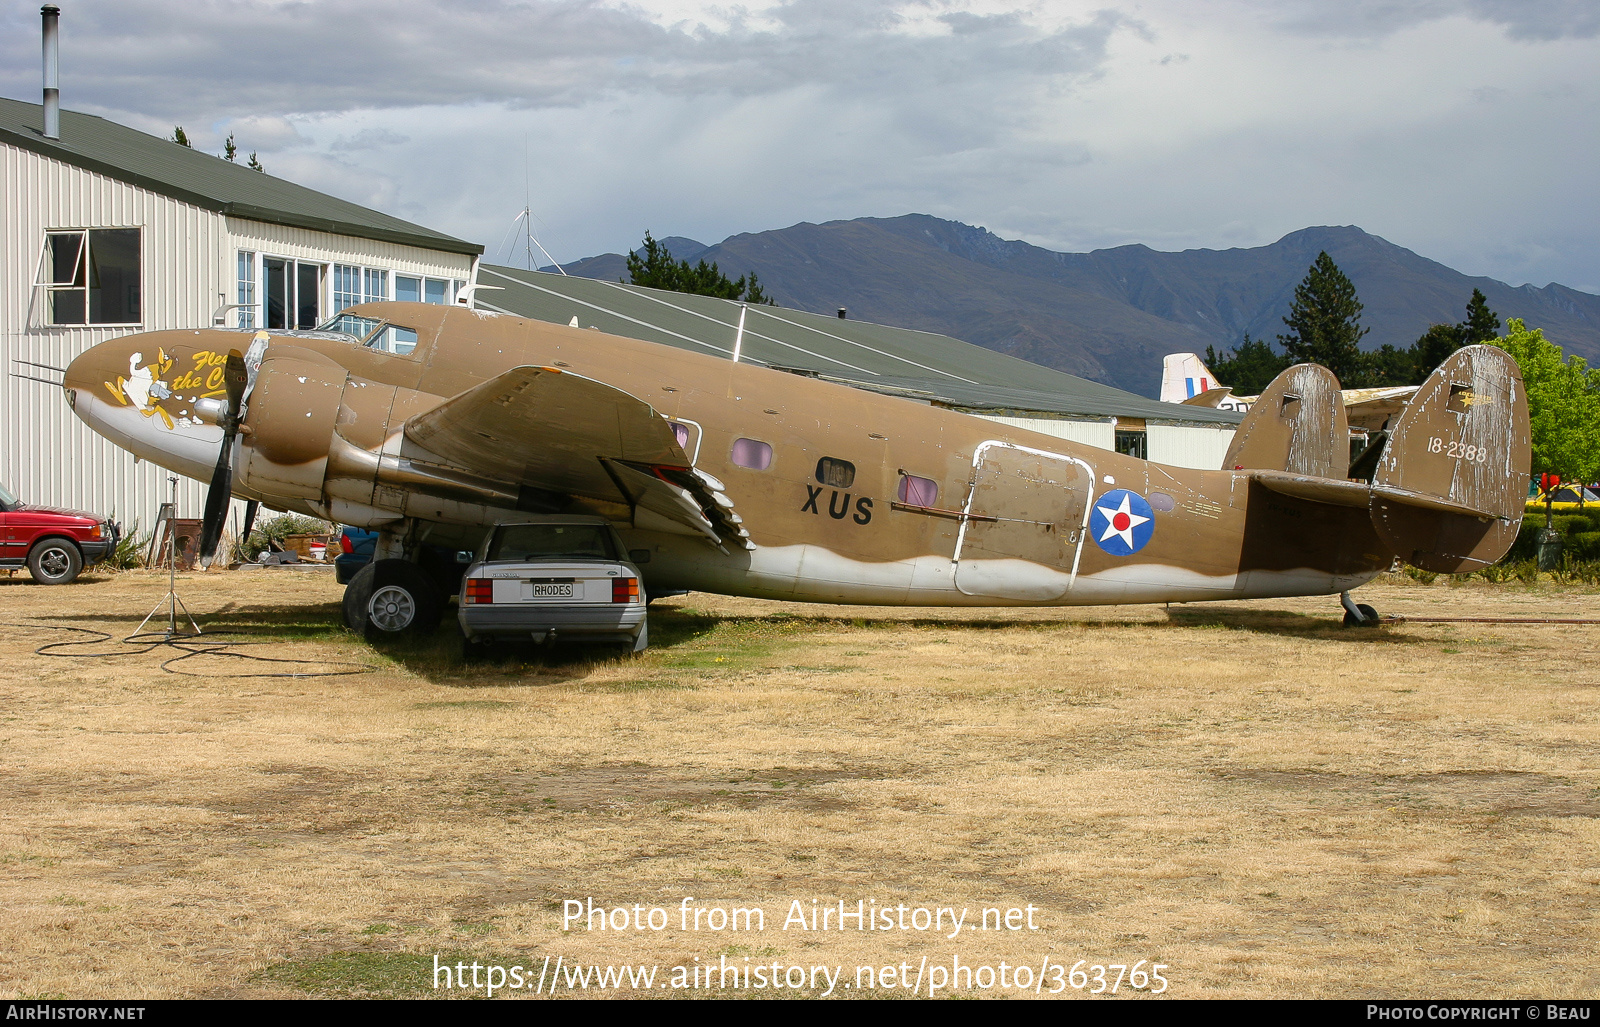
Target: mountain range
{"type": "Point", "coordinates": [1108, 315]}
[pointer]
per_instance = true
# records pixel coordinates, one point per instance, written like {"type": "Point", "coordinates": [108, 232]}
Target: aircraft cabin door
{"type": "Point", "coordinates": [1023, 523]}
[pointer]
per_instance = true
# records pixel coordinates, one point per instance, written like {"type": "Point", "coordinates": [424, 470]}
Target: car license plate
{"type": "Point", "coordinates": [549, 591]}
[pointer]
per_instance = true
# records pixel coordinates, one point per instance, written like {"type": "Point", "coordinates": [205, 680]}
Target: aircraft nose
{"type": "Point", "coordinates": [94, 373]}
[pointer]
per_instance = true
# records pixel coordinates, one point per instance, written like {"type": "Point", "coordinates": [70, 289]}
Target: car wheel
{"type": "Point", "coordinates": [391, 599]}
{"type": "Point", "coordinates": [54, 561]}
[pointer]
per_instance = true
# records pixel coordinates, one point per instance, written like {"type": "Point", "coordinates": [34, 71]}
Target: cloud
{"type": "Point", "coordinates": [161, 57]}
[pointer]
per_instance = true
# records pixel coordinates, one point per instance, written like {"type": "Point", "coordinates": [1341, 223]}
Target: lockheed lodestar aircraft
{"type": "Point", "coordinates": [428, 423]}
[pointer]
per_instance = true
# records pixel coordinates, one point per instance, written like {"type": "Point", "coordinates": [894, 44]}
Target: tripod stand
{"type": "Point", "coordinates": [171, 600]}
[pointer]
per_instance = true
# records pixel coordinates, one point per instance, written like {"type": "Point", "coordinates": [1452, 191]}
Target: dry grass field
{"type": "Point", "coordinates": [1268, 804]}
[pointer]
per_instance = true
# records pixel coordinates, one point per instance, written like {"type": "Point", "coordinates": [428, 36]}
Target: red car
{"type": "Point", "coordinates": [53, 544]}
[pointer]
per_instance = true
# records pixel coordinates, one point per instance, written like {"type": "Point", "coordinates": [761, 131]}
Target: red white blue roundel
{"type": "Point", "coordinates": [1122, 522]}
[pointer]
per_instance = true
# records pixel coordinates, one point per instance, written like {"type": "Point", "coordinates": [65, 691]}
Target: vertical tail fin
{"type": "Point", "coordinates": [1464, 439]}
{"type": "Point", "coordinates": [1297, 425]}
{"type": "Point", "coordinates": [1184, 376]}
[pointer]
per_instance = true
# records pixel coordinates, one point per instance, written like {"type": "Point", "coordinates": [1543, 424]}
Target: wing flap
{"type": "Point", "coordinates": [554, 430]}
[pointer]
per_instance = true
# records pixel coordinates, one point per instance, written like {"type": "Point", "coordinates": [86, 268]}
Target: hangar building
{"type": "Point", "coordinates": [107, 231]}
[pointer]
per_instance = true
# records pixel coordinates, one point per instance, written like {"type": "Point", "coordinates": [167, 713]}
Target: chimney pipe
{"type": "Point", "coordinates": [52, 93]}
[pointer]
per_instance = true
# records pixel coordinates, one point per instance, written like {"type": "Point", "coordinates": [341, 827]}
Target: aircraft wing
{"type": "Point", "coordinates": [1373, 408]}
{"type": "Point", "coordinates": [549, 429]}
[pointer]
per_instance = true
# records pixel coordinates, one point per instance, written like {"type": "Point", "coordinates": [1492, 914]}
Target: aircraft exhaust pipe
{"type": "Point", "coordinates": [52, 61]}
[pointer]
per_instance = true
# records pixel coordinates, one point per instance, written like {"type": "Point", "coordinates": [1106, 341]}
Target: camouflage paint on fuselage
{"type": "Point", "coordinates": [1018, 508]}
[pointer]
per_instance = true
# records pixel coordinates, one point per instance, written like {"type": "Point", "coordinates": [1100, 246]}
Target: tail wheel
{"type": "Point", "coordinates": [1369, 617]}
{"type": "Point", "coordinates": [390, 599]}
{"type": "Point", "coordinates": [54, 562]}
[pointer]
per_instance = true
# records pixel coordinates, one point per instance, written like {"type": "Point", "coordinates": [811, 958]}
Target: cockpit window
{"type": "Point", "coordinates": [350, 324]}
{"type": "Point", "coordinates": [393, 339]}
{"type": "Point", "coordinates": [374, 334]}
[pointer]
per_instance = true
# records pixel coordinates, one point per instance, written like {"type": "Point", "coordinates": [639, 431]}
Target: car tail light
{"type": "Point", "coordinates": [344, 544]}
{"type": "Point", "coordinates": [625, 590]}
{"type": "Point", "coordinates": [480, 590]}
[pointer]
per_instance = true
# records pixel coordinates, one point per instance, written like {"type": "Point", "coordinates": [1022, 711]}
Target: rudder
{"type": "Point", "coordinates": [1463, 438]}
{"type": "Point", "coordinates": [1297, 425]}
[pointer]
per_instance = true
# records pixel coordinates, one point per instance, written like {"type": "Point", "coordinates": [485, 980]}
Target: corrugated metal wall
{"type": "Point", "coordinates": [1185, 446]}
{"type": "Point", "coordinates": [304, 244]}
{"type": "Point", "coordinates": [1091, 433]}
{"type": "Point", "coordinates": [47, 455]}
{"type": "Point", "coordinates": [1174, 445]}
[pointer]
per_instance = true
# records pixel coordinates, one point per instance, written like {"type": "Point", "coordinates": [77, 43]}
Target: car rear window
{"type": "Point", "coordinates": [546, 541]}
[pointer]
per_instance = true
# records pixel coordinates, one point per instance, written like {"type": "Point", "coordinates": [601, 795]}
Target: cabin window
{"type": "Point", "coordinates": [752, 454]}
{"type": "Point", "coordinates": [1133, 443]}
{"type": "Point", "coordinates": [681, 433]}
{"type": "Point", "coordinates": [92, 277]}
{"type": "Point", "coordinates": [839, 474]}
{"type": "Point", "coordinates": [915, 491]}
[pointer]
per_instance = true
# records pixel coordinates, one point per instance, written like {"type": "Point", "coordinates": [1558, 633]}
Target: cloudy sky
{"type": "Point", "coordinates": [1463, 129]}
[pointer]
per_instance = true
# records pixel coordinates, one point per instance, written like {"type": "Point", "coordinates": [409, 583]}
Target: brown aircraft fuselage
{"type": "Point", "coordinates": [837, 514]}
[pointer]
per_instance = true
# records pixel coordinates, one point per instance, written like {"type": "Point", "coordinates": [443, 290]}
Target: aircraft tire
{"type": "Point", "coordinates": [389, 599]}
{"type": "Point", "coordinates": [1369, 617]}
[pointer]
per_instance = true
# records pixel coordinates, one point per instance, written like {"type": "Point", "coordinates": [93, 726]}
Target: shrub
{"type": "Point", "coordinates": [1571, 524]}
{"type": "Point", "coordinates": [274, 531]}
{"type": "Point", "coordinates": [1420, 575]}
{"type": "Point", "coordinates": [1584, 546]}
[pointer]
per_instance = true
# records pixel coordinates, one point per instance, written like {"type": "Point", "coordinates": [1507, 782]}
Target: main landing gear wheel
{"type": "Point", "coordinates": [1357, 615]}
{"type": "Point", "coordinates": [390, 599]}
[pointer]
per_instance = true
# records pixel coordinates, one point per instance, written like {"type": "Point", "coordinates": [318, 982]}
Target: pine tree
{"type": "Point", "coordinates": [179, 136]}
{"type": "Point", "coordinates": [1482, 324]}
{"type": "Point", "coordinates": [653, 266]}
{"type": "Point", "coordinates": [1249, 368]}
{"type": "Point", "coordinates": [1324, 322]}
{"type": "Point", "coordinates": [229, 149]}
{"type": "Point", "coordinates": [254, 164]}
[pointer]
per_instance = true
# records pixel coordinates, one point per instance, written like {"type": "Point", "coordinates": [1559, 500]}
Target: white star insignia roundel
{"type": "Point", "coordinates": [1122, 523]}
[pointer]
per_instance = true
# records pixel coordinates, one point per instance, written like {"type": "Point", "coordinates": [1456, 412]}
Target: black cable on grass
{"type": "Point", "coordinates": [190, 645]}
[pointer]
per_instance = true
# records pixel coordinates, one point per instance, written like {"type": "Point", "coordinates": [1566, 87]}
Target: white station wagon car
{"type": "Point", "coordinates": [566, 578]}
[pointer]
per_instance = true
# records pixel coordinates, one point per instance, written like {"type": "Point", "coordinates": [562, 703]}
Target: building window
{"type": "Point", "coordinates": [752, 454]}
{"type": "Point", "coordinates": [92, 277]}
{"type": "Point", "coordinates": [915, 491]}
{"type": "Point", "coordinates": [294, 293]}
{"type": "Point", "coordinates": [1133, 443]}
{"type": "Point", "coordinates": [839, 474]}
{"type": "Point", "coordinates": [352, 285]}
{"type": "Point", "coordinates": [247, 289]}
{"type": "Point", "coordinates": [425, 290]}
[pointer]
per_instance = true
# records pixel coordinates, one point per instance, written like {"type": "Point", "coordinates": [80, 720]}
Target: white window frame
{"type": "Point", "coordinates": [44, 290]}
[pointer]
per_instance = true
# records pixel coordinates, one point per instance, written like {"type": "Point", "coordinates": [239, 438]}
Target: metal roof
{"type": "Point", "coordinates": [211, 183]}
{"type": "Point", "coordinates": [895, 361]}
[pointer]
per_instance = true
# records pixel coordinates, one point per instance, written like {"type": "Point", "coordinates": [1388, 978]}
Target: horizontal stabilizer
{"type": "Point", "coordinates": [1209, 398]}
{"type": "Point", "coordinates": [1359, 495]}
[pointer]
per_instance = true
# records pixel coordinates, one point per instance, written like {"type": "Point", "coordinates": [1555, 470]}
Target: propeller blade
{"type": "Point", "coordinates": [250, 510]}
{"type": "Point", "coordinates": [234, 378]}
{"type": "Point", "coordinates": [217, 502]}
